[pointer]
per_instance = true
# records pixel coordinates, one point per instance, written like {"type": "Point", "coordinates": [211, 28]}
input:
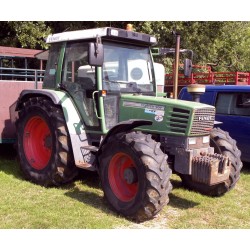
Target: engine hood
{"type": "Point", "coordinates": [169, 116]}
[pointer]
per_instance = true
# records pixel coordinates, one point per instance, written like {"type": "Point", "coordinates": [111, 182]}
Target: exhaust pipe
{"type": "Point", "coordinates": [176, 64]}
{"type": "Point", "coordinates": [196, 90]}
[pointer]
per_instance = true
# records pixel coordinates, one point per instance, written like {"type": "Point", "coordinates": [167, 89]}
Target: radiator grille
{"type": "Point", "coordinates": [203, 121]}
{"type": "Point", "coordinates": [178, 121]}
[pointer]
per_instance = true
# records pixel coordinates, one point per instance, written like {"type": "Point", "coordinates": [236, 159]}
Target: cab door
{"type": "Point", "coordinates": [79, 79]}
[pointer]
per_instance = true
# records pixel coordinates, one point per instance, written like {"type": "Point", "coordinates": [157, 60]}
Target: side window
{"type": "Point", "coordinates": [51, 67]}
{"type": "Point", "coordinates": [233, 104]}
{"type": "Point", "coordinates": [242, 106]}
{"type": "Point", "coordinates": [79, 79]}
{"type": "Point", "coordinates": [76, 68]}
{"type": "Point", "coordinates": [224, 103]}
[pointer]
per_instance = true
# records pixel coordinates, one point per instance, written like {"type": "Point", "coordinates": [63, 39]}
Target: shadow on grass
{"type": "Point", "coordinates": [91, 179]}
{"type": "Point", "coordinates": [179, 202]}
{"type": "Point", "coordinates": [7, 152]}
{"type": "Point", "coordinates": [94, 199]}
{"type": "Point", "coordinates": [90, 198]}
{"type": "Point", "coordinates": [8, 161]}
{"type": "Point", "coordinates": [246, 168]}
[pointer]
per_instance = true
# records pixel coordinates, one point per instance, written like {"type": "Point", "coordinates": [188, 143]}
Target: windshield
{"type": "Point", "coordinates": [127, 69]}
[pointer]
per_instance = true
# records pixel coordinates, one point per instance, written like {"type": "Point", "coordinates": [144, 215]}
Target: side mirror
{"type": "Point", "coordinates": [187, 67]}
{"type": "Point", "coordinates": [96, 55]}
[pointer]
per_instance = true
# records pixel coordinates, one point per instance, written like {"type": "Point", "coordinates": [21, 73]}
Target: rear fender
{"type": "Point", "coordinates": [24, 95]}
{"type": "Point", "coordinates": [76, 129]}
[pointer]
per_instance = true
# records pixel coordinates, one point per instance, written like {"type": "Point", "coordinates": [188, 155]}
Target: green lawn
{"type": "Point", "coordinates": [81, 205]}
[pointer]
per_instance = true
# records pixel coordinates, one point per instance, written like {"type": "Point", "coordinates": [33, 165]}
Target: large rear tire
{"type": "Point", "coordinates": [225, 145]}
{"type": "Point", "coordinates": [135, 175]}
{"type": "Point", "coordinates": [44, 148]}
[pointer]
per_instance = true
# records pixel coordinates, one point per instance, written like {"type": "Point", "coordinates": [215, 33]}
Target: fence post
{"type": "Point", "coordinates": [36, 84]}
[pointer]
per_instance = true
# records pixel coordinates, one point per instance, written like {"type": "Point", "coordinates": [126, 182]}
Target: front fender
{"type": "Point", "coordinates": [123, 127]}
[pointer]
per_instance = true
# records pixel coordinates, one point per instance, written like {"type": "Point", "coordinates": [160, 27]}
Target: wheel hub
{"type": "Point", "coordinates": [48, 142]}
{"type": "Point", "coordinates": [123, 177]}
{"type": "Point", "coordinates": [130, 175]}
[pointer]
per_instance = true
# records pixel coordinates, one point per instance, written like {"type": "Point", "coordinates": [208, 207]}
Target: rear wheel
{"type": "Point", "coordinates": [135, 175]}
{"type": "Point", "coordinates": [225, 145]}
{"type": "Point", "coordinates": [44, 148]}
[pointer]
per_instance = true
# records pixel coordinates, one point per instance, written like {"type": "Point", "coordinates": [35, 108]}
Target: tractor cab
{"type": "Point", "coordinates": [97, 67]}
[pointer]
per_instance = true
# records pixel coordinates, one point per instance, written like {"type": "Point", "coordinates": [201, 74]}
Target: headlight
{"type": "Point", "coordinates": [205, 139]}
{"type": "Point", "coordinates": [191, 141]}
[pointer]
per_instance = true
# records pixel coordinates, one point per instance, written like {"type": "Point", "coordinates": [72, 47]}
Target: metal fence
{"type": "Point", "coordinates": [16, 74]}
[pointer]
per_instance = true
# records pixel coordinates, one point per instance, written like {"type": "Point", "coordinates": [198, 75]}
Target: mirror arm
{"type": "Point", "coordinates": [98, 41]}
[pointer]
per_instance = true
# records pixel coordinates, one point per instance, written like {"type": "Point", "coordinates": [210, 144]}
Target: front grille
{"type": "Point", "coordinates": [178, 121]}
{"type": "Point", "coordinates": [203, 121]}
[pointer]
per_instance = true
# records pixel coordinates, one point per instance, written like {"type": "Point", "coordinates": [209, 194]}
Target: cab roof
{"type": "Point", "coordinates": [108, 33]}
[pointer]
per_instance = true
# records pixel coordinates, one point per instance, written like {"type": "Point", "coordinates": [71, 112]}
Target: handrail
{"type": "Point", "coordinates": [18, 74]}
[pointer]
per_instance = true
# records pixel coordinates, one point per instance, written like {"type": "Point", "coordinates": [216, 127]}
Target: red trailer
{"type": "Point", "coordinates": [207, 76]}
{"type": "Point", "coordinates": [19, 69]}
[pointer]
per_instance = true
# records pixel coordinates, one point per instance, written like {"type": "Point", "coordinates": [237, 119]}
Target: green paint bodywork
{"type": "Point", "coordinates": [158, 110]}
{"type": "Point", "coordinates": [60, 64]}
{"type": "Point", "coordinates": [101, 107]}
{"type": "Point", "coordinates": [131, 106]}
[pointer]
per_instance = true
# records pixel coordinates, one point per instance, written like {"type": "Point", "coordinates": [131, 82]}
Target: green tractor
{"type": "Point", "coordinates": [99, 110]}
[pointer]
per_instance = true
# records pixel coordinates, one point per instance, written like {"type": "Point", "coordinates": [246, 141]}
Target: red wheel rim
{"type": "Point", "coordinates": [123, 190]}
{"type": "Point", "coordinates": [37, 142]}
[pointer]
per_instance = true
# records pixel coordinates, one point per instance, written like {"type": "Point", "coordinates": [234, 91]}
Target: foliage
{"type": "Point", "coordinates": [24, 34]}
{"type": "Point", "coordinates": [223, 45]}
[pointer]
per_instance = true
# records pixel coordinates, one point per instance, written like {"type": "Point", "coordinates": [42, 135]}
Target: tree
{"type": "Point", "coordinates": [223, 45]}
{"type": "Point", "coordinates": [24, 34]}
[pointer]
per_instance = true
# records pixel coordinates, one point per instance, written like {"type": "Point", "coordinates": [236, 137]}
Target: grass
{"type": "Point", "coordinates": [81, 205]}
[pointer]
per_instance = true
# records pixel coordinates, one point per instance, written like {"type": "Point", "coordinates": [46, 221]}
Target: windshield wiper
{"type": "Point", "coordinates": [131, 87]}
{"type": "Point", "coordinates": [115, 81]}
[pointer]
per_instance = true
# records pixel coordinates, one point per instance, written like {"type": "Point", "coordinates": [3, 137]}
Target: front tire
{"type": "Point", "coordinates": [135, 175]}
{"type": "Point", "coordinates": [223, 144]}
{"type": "Point", "coordinates": [44, 148]}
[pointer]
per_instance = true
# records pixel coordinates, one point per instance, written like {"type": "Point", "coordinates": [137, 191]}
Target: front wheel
{"type": "Point", "coordinates": [223, 144]}
{"type": "Point", "coordinates": [44, 148]}
{"type": "Point", "coordinates": [135, 175]}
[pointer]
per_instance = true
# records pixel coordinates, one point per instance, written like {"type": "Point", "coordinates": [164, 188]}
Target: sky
{"type": "Point", "coordinates": [134, 10]}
